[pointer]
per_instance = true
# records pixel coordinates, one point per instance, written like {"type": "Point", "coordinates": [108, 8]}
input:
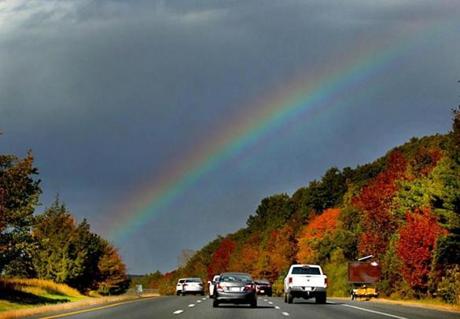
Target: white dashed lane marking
{"type": "Point", "coordinates": [284, 313]}
{"type": "Point", "coordinates": [277, 307]}
{"type": "Point", "coordinates": [377, 312]}
{"type": "Point", "coordinates": [191, 305]}
{"type": "Point", "coordinates": [198, 301]}
{"type": "Point", "coordinates": [270, 303]}
{"type": "Point", "coordinates": [178, 312]}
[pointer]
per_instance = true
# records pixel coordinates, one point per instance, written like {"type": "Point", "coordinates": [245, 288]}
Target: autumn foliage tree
{"type": "Point", "coordinates": [315, 230]}
{"type": "Point", "coordinates": [415, 247]}
{"type": "Point", "coordinates": [374, 202]}
{"type": "Point", "coordinates": [221, 257]}
{"type": "Point", "coordinates": [112, 278]}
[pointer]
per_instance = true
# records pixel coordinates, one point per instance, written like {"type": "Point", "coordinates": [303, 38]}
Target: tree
{"type": "Point", "coordinates": [19, 194]}
{"type": "Point", "coordinates": [58, 256]}
{"type": "Point", "coordinates": [314, 232]}
{"type": "Point", "coordinates": [415, 247]}
{"type": "Point", "coordinates": [112, 277]}
{"type": "Point", "coordinates": [374, 203]}
{"type": "Point", "coordinates": [221, 257]}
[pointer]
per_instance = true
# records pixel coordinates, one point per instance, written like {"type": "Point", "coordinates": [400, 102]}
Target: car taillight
{"type": "Point", "coordinates": [220, 288]}
{"type": "Point", "coordinates": [325, 281]}
{"type": "Point", "coordinates": [249, 287]}
{"type": "Point", "coordinates": [290, 280]}
{"type": "Point", "coordinates": [184, 285]}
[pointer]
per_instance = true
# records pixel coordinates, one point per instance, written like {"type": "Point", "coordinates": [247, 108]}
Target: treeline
{"type": "Point", "coordinates": [404, 208]}
{"type": "Point", "coordinates": [50, 245]}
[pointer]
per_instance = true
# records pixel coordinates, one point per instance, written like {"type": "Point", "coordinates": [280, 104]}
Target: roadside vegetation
{"type": "Point", "coordinates": [48, 257]}
{"type": "Point", "coordinates": [403, 208]}
{"type": "Point", "coordinates": [22, 293]}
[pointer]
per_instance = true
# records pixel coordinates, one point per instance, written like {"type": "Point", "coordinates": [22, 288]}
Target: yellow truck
{"type": "Point", "coordinates": [363, 276]}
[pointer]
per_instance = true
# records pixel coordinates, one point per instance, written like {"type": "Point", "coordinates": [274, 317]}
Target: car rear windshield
{"type": "Point", "coordinates": [193, 280]}
{"type": "Point", "coordinates": [306, 271]}
{"type": "Point", "coordinates": [236, 278]}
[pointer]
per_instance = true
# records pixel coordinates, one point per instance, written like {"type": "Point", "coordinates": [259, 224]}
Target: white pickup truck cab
{"type": "Point", "coordinates": [305, 281]}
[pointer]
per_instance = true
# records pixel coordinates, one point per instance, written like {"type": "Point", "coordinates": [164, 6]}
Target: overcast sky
{"type": "Point", "coordinates": [108, 94]}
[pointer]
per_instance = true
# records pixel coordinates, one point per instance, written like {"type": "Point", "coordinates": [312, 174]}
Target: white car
{"type": "Point", "coordinates": [191, 286]}
{"type": "Point", "coordinates": [211, 285]}
{"type": "Point", "coordinates": [305, 281]}
{"type": "Point", "coordinates": [179, 284]}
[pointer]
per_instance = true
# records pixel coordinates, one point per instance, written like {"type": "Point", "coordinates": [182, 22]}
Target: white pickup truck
{"type": "Point", "coordinates": [305, 281]}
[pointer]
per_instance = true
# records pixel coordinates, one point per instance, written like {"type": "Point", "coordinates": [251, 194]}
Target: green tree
{"type": "Point", "coordinates": [58, 256]}
{"type": "Point", "coordinates": [19, 194]}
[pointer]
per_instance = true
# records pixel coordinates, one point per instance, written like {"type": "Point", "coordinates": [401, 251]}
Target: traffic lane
{"type": "Point", "coordinates": [161, 307]}
{"type": "Point", "coordinates": [264, 310]}
{"type": "Point", "coordinates": [336, 308]}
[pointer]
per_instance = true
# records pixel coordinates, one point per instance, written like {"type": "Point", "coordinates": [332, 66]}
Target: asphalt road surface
{"type": "Point", "coordinates": [195, 307]}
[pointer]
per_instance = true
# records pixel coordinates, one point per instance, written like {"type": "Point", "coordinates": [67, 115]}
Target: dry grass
{"type": "Point", "coordinates": [29, 285]}
{"type": "Point", "coordinates": [423, 303]}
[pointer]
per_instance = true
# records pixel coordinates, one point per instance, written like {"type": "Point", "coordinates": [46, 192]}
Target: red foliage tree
{"type": "Point", "coordinates": [374, 202]}
{"type": "Point", "coordinates": [221, 257]}
{"type": "Point", "coordinates": [417, 239]}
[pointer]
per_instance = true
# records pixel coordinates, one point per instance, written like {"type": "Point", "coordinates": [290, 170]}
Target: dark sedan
{"type": "Point", "coordinates": [263, 287]}
{"type": "Point", "coordinates": [235, 288]}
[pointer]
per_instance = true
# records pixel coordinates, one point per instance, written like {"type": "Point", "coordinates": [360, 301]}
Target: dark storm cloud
{"type": "Point", "coordinates": [109, 93]}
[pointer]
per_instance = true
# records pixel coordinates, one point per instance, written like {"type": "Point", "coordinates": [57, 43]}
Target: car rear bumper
{"type": "Point", "coordinates": [235, 297]}
{"type": "Point", "coordinates": [306, 292]}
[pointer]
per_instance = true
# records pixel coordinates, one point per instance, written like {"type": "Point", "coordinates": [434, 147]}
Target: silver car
{"type": "Point", "coordinates": [235, 288]}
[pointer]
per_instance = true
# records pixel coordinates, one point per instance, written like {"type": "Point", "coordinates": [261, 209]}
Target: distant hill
{"type": "Point", "coordinates": [404, 208]}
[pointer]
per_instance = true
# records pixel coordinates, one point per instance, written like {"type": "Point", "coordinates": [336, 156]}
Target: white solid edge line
{"type": "Point", "coordinates": [178, 311]}
{"type": "Point", "coordinates": [377, 312]}
{"type": "Point", "coordinates": [285, 314]}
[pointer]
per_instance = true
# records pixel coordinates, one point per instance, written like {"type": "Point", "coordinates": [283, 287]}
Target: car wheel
{"type": "Point", "coordinates": [269, 294]}
{"type": "Point", "coordinates": [177, 293]}
{"type": "Point", "coordinates": [285, 297]}
{"type": "Point", "coordinates": [321, 298]}
{"type": "Point", "coordinates": [290, 298]}
{"type": "Point", "coordinates": [215, 303]}
{"type": "Point", "coordinates": [254, 303]}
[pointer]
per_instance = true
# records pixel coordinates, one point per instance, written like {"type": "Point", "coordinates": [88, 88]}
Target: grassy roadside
{"type": "Point", "coordinates": [26, 297]}
{"type": "Point", "coordinates": [88, 302]}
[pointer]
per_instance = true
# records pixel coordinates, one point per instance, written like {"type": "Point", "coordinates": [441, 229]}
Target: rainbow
{"type": "Point", "coordinates": [307, 92]}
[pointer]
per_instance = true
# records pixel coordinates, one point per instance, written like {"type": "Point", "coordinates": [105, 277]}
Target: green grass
{"type": "Point", "coordinates": [18, 294]}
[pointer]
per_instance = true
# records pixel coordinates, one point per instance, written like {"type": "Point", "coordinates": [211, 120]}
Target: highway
{"type": "Point", "coordinates": [189, 307]}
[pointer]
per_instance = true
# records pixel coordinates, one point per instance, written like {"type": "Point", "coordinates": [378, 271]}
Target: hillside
{"type": "Point", "coordinates": [404, 208]}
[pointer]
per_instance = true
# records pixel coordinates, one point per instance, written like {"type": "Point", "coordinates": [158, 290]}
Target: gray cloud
{"type": "Point", "coordinates": [109, 93]}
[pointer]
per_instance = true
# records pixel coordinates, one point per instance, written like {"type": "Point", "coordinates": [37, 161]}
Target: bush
{"type": "Point", "coordinates": [449, 287]}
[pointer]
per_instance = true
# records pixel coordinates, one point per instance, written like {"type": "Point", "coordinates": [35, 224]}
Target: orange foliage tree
{"type": "Point", "coordinates": [417, 240]}
{"type": "Point", "coordinates": [221, 257]}
{"type": "Point", "coordinates": [245, 258]}
{"type": "Point", "coordinates": [316, 229]}
{"type": "Point", "coordinates": [374, 202]}
{"type": "Point", "coordinates": [280, 252]}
